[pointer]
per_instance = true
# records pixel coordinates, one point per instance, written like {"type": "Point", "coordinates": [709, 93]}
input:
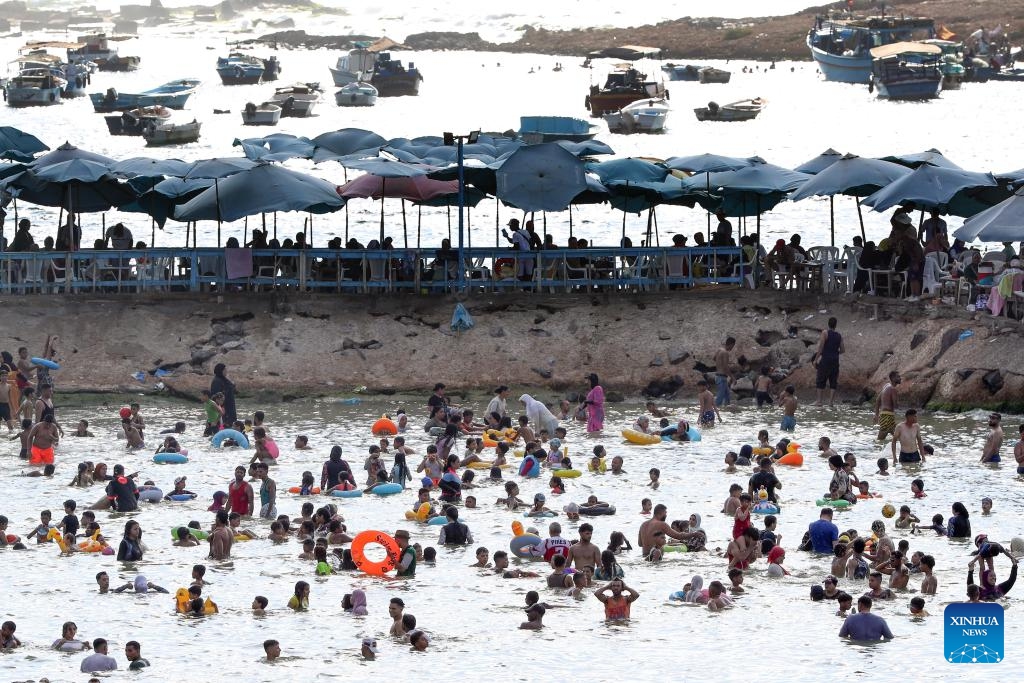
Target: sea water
{"type": "Point", "coordinates": [465, 91]}
{"type": "Point", "coordinates": [471, 616]}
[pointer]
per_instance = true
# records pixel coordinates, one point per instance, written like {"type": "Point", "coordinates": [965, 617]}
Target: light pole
{"type": "Point", "coordinates": [449, 140]}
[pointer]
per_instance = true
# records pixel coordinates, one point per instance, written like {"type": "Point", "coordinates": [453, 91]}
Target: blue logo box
{"type": "Point", "coordinates": [974, 633]}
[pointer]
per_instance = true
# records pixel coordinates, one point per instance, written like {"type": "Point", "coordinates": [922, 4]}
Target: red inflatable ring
{"type": "Point", "coordinates": [375, 568]}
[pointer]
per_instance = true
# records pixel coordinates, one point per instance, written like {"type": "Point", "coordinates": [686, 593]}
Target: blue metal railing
{"type": "Point", "coordinates": [364, 271]}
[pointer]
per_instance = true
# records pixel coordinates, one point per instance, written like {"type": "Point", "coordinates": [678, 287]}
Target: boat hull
{"type": "Point", "coordinates": [32, 97]}
{"type": "Point", "coordinates": [263, 115]}
{"type": "Point", "coordinates": [342, 77]}
{"type": "Point", "coordinates": [915, 89]}
{"type": "Point", "coordinates": [710, 75]}
{"type": "Point", "coordinates": [601, 103]}
{"type": "Point", "coordinates": [677, 72]}
{"type": "Point", "coordinates": [124, 102]}
{"type": "Point", "coordinates": [172, 134]}
{"type": "Point", "coordinates": [842, 69]}
{"type": "Point", "coordinates": [237, 75]}
{"type": "Point", "coordinates": [405, 85]}
{"type": "Point", "coordinates": [295, 107]}
{"type": "Point", "coordinates": [356, 95]}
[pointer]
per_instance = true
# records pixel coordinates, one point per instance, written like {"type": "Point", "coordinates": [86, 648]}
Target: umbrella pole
{"type": "Point", "coordinates": [309, 240]}
{"type": "Point", "coordinates": [832, 218]}
{"type": "Point", "coordinates": [216, 193]}
{"type": "Point", "coordinates": [545, 216]}
{"type": "Point", "coordinates": [757, 264]}
{"type": "Point", "coordinates": [245, 231]}
{"type": "Point", "coordinates": [657, 240]}
{"type": "Point", "coordinates": [570, 220]}
{"type": "Point", "coordinates": [152, 227]}
{"type": "Point", "coordinates": [497, 222]}
{"type": "Point", "coordinates": [263, 218]}
{"type": "Point", "coordinates": [383, 191]}
{"type": "Point", "coordinates": [346, 224]}
{"type": "Point", "coordinates": [449, 207]}
{"type": "Point", "coordinates": [275, 224]}
{"type": "Point", "coordinates": [860, 217]}
{"type": "Point", "coordinates": [405, 229]}
{"type": "Point", "coordinates": [469, 230]}
{"type": "Point", "coordinates": [419, 224]}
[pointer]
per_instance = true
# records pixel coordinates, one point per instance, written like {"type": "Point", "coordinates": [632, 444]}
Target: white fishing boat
{"type": "Point", "coordinates": [297, 100]}
{"type": "Point", "coordinates": [34, 88]}
{"type": "Point", "coordinates": [171, 133]}
{"type": "Point", "coordinates": [78, 78]}
{"type": "Point", "coordinates": [266, 114]}
{"type": "Point", "coordinates": [642, 116]}
{"type": "Point", "coordinates": [742, 110]}
{"type": "Point", "coordinates": [354, 66]}
{"type": "Point", "coordinates": [358, 94]}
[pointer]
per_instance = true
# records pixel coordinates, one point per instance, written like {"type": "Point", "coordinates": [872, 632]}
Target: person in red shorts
{"type": "Point", "coordinates": [43, 437]}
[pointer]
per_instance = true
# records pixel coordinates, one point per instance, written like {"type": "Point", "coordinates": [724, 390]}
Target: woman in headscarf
{"type": "Point", "coordinates": [221, 384]}
{"type": "Point", "coordinates": [775, 557]}
{"type": "Point", "coordinates": [697, 538]}
{"type": "Point", "coordinates": [595, 405]}
{"type": "Point", "coordinates": [990, 590]}
{"type": "Point", "coordinates": [359, 603]}
{"type": "Point", "coordinates": [696, 592]}
{"type": "Point", "coordinates": [538, 414]}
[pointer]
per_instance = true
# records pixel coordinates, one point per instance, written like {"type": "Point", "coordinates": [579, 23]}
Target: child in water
{"type": "Point", "coordinates": [883, 467]}
{"type": "Point", "coordinates": [937, 526]}
{"type": "Point", "coordinates": [917, 488]}
{"type": "Point", "coordinates": [906, 519]}
{"type": "Point", "coordinates": [655, 475]}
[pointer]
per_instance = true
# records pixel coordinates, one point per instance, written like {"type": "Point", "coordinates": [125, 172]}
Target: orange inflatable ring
{"type": "Point", "coordinates": [384, 427]}
{"type": "Point", "coordinates": [374, 568]}
{"type": "Point", "coordinates": [296, 489]}
{"type": "Point", "coordinates": [489, 443]}
{"type": "Point", "coordinates": [792, 459]}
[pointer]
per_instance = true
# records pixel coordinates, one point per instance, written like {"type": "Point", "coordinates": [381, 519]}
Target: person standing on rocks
{"type": "Point", "coordinates": [722, 374]}
{"type": "Point", "coordinates": [438, 400]}
{"type": "Point", "coordinates": [498, 403]}
{"type": "Point", "coordinates": [994, 442]}
{"type": "Point", "coordinates": [595, 406]}
{"type": "Point", "coordinates": [830, 345]}
{"type": "Point", "coordinates": [885, 407]}
{"type": "Point", "coordinates": [221, 384]}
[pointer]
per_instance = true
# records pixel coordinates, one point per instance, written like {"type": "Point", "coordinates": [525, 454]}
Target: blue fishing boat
{"type": "Point", "coordinates": [681, 72]}
{"type": "Point", "coordinates": [842, 47]}
{"type": "Point", "coordinates": [172, 95]}
{"type": "Point", "coordinates": [535, 129]}
{"type": "Point", "coordinates": [239, 69]}
{"type": "Point", "coordinates": [392, 79]}
{"type": "Point", "coordinates": [906, 71]}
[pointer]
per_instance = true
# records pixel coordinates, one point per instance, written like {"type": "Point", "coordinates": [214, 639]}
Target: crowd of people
{"type": "Point", "coordinates": [443, 484]}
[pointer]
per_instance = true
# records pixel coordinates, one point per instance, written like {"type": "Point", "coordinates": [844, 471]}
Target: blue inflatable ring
{"type": "Point", "coordinates": [170, 458]}
{"type": "Point", "coordinates": [236, 436]}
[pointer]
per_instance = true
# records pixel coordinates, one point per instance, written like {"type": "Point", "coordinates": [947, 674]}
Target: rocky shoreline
{"type": "Point", "coordinates": [763, 38]}
{"type": "Point", "coordinates": [282, 347]}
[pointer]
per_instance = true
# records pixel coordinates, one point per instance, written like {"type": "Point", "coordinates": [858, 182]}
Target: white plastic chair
{"type": "Point", "coordinates": [34, 274]}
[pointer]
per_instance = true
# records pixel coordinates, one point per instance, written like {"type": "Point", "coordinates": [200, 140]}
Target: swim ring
{"type": "Point", "coordinates": [421, 514]}
{"type": "Point", "coordinates": [765, 507]}
{"type": "Point", "coordinates": [633, 436]}
{"type": "Point", "coordinates": [236, 436]}
{"type": "Point", "coordinates": [545, 513]}
{"type": "Point", "coordinates": [522, 547]}
{"type": "Point", "coordinates": [365, 538]}
{"type": "Point", "coordinates": [601, 467]}
{"type": "Point", "coordinates": [838, 503]}
{"type": "Point", "coordinates": [388, 489]}
{"type": "Point", "coordinates": [440, 520]}
{"type": "Point", "coordinates": [567, 474]}
{"type": "Point", "coordinates": [793, 459]}
{"type": "Point", "coordinates": [181, 497]}
{"type": "Point", "coordinates": [674, 548]}
{"type": "Point", "coordinates": [298, 489]}
{"type": "Point", "coordinates": [384, 427]}
{"type": "Point", "coordinates": [762, 450]}
{"type": "Point", "coordinates": [150, 494]}
{"type": "Point", "coordinates": [198, 534]}
{"type": "Point", "coordinates": [352, 493]}
{"type": "Point", "coordinates": [49, 364]}
{"type": "Point", "coordinates": [595, 510]}
{"type": "Point", "coordinates": [170, 458]}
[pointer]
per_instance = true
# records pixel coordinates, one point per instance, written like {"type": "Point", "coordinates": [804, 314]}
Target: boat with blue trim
{"type": "Point", "coordinates": [172, 95]}
{"type": "Point", "coordinates": [906, 71]}
{"type": "Point", "coordinates": [239, 69]}
{"type": "Point", "coordinates": [842, 47]}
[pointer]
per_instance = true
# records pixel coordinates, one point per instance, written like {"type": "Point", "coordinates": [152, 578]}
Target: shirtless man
{"type": "Point", "coordinates": [585, 553]}
{"type": "Point", "coordinates": [706, 408]}
{"type": "Point", "coordinates": [825, 447]}
{"type": "Point", "coordinates": [44, 406]}
{"type": "Point", "coordinates": [82, 429]}
{"type": "Point", "coordinates": [994, 442]}
{"type": "Point", "coordinates": [651, 536]}
{"type": "Point", "coordinates": [132, 435]}
{"type": "Point", "coordinates": [221, 537]}
{"type": "Point", "coordinates": [908, 434]}
{"type": "Point", "coordinates": [722, 374]}
{"type": "Point", "coordinates": [885, 407]}
{"type": "Point", "coordinates": [43, 437]}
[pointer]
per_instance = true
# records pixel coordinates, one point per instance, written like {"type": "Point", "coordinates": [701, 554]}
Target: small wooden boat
{"type": "Point", "coordinates": [172, 95]}
{"type": "Point", "coordinates": [34, 88]}
{"type": "Point", "coordinates": [354, 66]}
{"type": "Point", "coordinates": [135, 121]}
{"type": "Point", "coordinates": [642, 116]}
{"type": "Point", "coordinates": [742, 110]}
{"type": "Point", "coordinates": [297, 100]}
{"type": "Point", "coordinates": [710, 74]}
{"type": "Point", "coordinates": [623, 86]}
{"type": "Point", "coordinates": [358, 94]}
{"type": "Point", "coordinates": [266, 114]}
{"type": "Point", "coordinates": [681, 72]}
{"type": "Point", "coordinates": [239, 69]}
{"type": "Point", "coordinates": [171, 133]}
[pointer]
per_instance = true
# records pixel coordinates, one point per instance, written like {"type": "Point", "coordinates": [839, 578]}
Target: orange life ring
{"type": "Point", "coordinates": [374, 568]}
{"type": "Point", "coordinates": [792, 458]}
{"type": "Point", "coordinates": [490, 443]}
{"type": "Point", "coordinates": [384, 427]}
{"type": "Point", "coordinates": [295, 489]}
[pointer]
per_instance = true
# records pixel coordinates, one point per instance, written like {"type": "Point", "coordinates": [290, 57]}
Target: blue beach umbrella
{"type": "Point", "coordinates": [264, 188]}
{"type": "Point", "coordinates": [67, 152]}
{"type": "Point", "coordinates": [276, 147]}
{"type": "Point", "coordinates": [542, 177]}
{"type": "Point", "coordinates": [710, 163]}
{"type": "Point", "coordinates": [852, 176]}
{"type": "Point", "coordinates": [346, 141]}
{"type": "Point", "coordinates": [930, 156]}
{"type": "Point", "coordinates": [18, 145]}
{"type": "Point", "coordinates": [948, 190]}
{"type": "Point", "coordinates": [1003, 222]}
{"type": "Point", "coordinates": [146, 166]}
{"type": "Point", "coordinates": [820, 162]}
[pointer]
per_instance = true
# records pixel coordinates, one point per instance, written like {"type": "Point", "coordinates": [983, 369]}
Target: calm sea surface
{"type": "Point", "coordinates": [471, 616]}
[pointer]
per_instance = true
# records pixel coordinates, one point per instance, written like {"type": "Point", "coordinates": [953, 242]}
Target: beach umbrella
{"type": "Point", "coordinates": [383, 167]}
{"type": "Point", "coordinates": [1003, 222]}
{"type": "Point", "coordinates": [710, 163]}
{"type": "Point", "coordinates": [852, 176]}
{"type": "Point", "coordinates": [159, 200]}
{"type": "Point", "coordinates": [146, 166]}
{"type": "Point", "coordinates": [585, 148]}
{"type": "Point", "coordinates": [217, 168]}
{"type": "Point", "coordinates": [627, 170]}
{"type": "Point", "coordinates": [387, 172]}
{"type": "Point", "coordinates": [18, 145]}
{"type": "Point", "coordinates": [264, 188]}
{"type": "Point", "coordinates": [343, 142]}
{"type": "Point", "coordinates": [67, 152]}
{"type": "Point", "coordinates": [930, 156]}
{"type": "Point", "coordinates": [542, 177]}
{"type": "Point", "coordinates": [276, 147]}
{"type": "Point", "coordinates": [77, 186]}
{"type": "Point", "coordinates": [948, 190]}
{"type": "Point", "coordinates": [820, 162]}
{"type": "Point", "coordinates": [747, 191]}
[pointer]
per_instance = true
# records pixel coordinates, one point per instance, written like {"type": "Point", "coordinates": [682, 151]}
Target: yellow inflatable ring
{"type": "Point", "coordinates": [567, 474]}
{"type": "Point", "coordinates": [633, 436]}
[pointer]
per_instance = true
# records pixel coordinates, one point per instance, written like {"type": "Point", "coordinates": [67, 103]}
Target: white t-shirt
{"type": "Point", "coordinates": [549, 547]}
